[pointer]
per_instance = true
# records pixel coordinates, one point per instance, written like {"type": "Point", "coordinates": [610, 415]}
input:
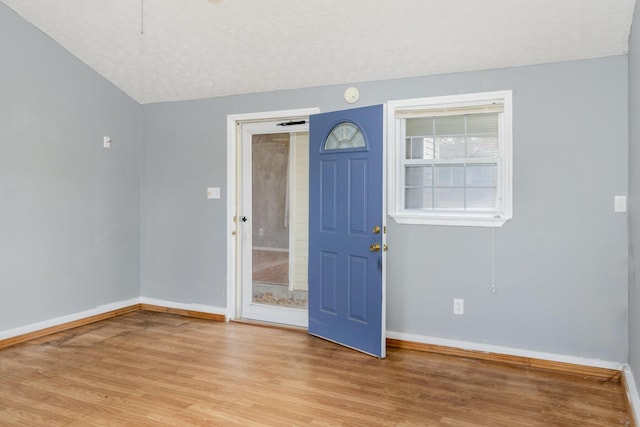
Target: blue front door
{"type": "Point", "coordinates": [346, 228]}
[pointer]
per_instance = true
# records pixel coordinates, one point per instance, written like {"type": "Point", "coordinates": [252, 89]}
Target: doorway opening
{"type": "Point", "coordinates": [345, 271]}
{"type": "Point", "coordinates": [280, 226]}
{"type": "Point", "coordinates": [268, 203]}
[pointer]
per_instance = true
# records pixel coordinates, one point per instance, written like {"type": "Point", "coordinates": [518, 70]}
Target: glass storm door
{"type": "Point", "coordinates": [346, 289]}
{"type": "Point", "coordinates": [273, 221]}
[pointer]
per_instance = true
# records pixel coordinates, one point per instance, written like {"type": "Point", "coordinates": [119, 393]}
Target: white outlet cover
{"type": "Point", "coordinates": [458, 306]}
{"type": "Point", "coordinates": [620, 204]}
{"type": "Point", "coordinates": [213, 193]}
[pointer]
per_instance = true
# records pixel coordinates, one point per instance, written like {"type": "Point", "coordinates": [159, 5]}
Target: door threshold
{"type": "Point", "coordinates": [270, 325]}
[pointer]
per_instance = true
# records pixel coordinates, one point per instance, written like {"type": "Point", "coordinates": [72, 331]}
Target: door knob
{"type": "Point", "coordinates": [375, 247]}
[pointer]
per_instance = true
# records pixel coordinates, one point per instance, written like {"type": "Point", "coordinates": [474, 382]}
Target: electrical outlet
{"type": "Point", "coordinates": [458, 306]}
{"type": "Point", "coordinates": [260, 231]}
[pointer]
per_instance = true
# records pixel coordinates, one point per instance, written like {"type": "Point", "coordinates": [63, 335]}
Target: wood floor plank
{"type": "Point", "coordinates": [149, 369]}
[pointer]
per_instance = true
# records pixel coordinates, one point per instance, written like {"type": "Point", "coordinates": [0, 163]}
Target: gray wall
{"type": "Point", "coordinates": [561, 263]}
{"type": "Point", "coordinates": [634, 197]}
{"type": "Point", "coordinates": [69, 209]}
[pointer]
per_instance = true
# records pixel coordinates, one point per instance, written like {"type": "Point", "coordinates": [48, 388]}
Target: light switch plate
{"type": "Point", "coordinates": [213, 193]}
{"type": "Point", "coordinates": [458, 306]}
{"type": "Point", "coordinates": [620, 204]}
{"type": "Point", "coordinates": [106, 141]}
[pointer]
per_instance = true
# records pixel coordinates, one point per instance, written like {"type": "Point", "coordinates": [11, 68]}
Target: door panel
{"type": "Point", "coordinates": [357, 288]}
{"type": "Point", "coordinates": [346, 293]}
{"type": "Point", "coordinates": [329, 195]}
{"type": "Point", "coordinates": [329, 279]}
{"type": "Point", "coordinates": [358, 196]}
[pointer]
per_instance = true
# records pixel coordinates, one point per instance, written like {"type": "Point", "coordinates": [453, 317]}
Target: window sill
{"type": "Point", "coordinates": [464, 221]}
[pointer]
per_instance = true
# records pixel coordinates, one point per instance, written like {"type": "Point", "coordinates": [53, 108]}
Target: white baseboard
{"type": "Point", "coordinates": [488, 348]}
{"type": "Point", "coordinates": [632, 393]}
{"type": "Point", "coordinates": [101, 309]}
{"type": "Point", "coordinates": [465, 345]}
{"type": "Point", "coordinates": [34, 327]}
{"type": "Point", "coordinates": [203, 308]}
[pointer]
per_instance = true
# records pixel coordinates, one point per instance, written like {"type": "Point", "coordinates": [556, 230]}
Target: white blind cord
{"type": "Point", "coordinates": [141, 16]}
{"type": "Point", "coordinates": [493, 260]}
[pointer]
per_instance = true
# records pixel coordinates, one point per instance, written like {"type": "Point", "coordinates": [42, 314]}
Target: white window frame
{"type": "Point", "coordinates": [395, 136]}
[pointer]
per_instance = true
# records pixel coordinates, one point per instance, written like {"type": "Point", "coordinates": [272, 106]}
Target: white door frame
{"type": "Point", "coordinates": [233, 139]}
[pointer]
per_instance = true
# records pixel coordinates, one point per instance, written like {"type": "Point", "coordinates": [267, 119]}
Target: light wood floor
{"type": "Point", "coordinates": [145, 369]}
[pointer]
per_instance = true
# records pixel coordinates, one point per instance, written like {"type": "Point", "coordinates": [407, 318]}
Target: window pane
{"type": "Point", "coordinates": [422, 126]}
{"type": "Point", "coordinates": [485, 124]}
{"type": "Point", "coordinates": [345, 131]}
{"type": "Point", "coordinates": [481, 198]}
{"type": "Point", "coordinates": [449, 198]}
{"type": "Point", "coordinates": [331, 142]}
{"type": "Point", "coordinates": [418, 176]}
{"type": "Point", "coordinates": [357, 140]}
{"type": "Point", "coordinates": [427, 144]}
{"type": "Point", "coordinates": [409, 148]}
{"type": "Point", "coordinates": [419, 148]}
{"type": "Point", "coordinates": [418, 198]}
{"type": "Point", "coordinates": [482, 175]}
{"type": "Point", "coordinates": [449, 176]}
{"type": "Point", "coordinates": [482, 147]}
{"type": "Point", "coordinates": [344, 135]}
{"type": "Point", "coordinates": [449, 125]}
{"type": "Point", "coordinates": [450, 148]}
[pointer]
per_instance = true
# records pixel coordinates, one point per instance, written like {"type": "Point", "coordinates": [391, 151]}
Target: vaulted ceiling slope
{"type": "Point", "coordinates": [169, 50]}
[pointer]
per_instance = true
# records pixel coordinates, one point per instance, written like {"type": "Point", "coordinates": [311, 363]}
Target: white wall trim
{"type": "Point", "coordinates": [632, 393]}
{"type": "Point", "coordinates": [396, 162]}
{"type": "Point", "coordinates": [489, 348]}
{"type": "Point", "coordinates": [232, 137]}
{"type": "Point", "coordinates": [101, 309]}
{"type": "Point", "coordinates": [202, 308]}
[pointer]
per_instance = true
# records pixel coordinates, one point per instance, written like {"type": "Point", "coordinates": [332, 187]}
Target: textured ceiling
{"type": "Point", "coordinates": [205, 48]}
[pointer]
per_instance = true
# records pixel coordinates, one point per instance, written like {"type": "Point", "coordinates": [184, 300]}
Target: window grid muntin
{"type": "Point", "coordinates": [434, 160]}
{"type": "Point", "coordinates": [483, 102]}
